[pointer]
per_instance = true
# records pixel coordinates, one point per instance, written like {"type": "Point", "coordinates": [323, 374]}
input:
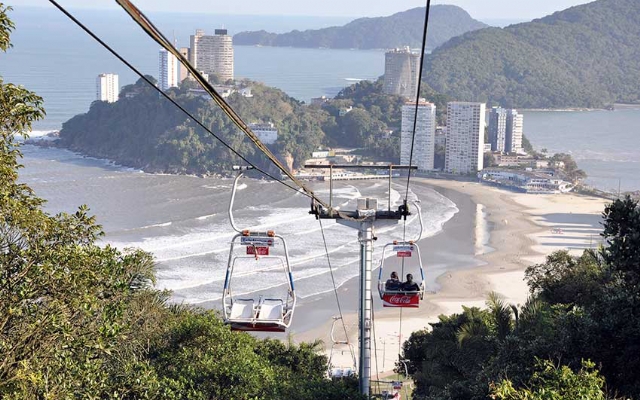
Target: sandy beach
{"type": "Point", "coordinates": [522, 229]}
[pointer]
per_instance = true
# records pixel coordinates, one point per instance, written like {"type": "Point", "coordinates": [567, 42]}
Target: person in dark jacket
{"type": "Point", "coordinates": [393, 283]}
{"type": "Point", "coordinates": [410, 285]}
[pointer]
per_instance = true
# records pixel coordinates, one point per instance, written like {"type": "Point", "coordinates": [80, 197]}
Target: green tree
{"type": "Point", "coordinates": [622, 235]}
{"type": "Point", "coordinates": [68, 306]}
{"type": "Point", "coordinates": [566, 279]}
{"type": "Point", "coordinates": [567, 164]}
{"type": "Point", "coordinates": [488, 160]}
{"type": "Point", "coordinates": [526, 145]}
{"type": "Point", "coordinates": [582, 308]}
{"type": "Point", "coordinates": [550, 382]}
{"type": "Point", "coordinates": [448, 361]}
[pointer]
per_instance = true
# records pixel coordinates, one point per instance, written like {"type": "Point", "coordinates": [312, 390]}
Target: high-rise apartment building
{"type": "Point", "coordinates": [184, 73]}
{"type": "Point", "coordinates": [505, 130]}
{"type": "Point", "coordinates": [515, 125]}
{"type": "Point", "coordinates": [497, 128]}
{"type": "Point", "coordinates": [213, 54]}
{"type": "Point", "coordinates": [107, 88]}
{"type": "Point", "coordinates": [194, 41]}
{"type": "Point", "coordinates": [424, 142]}
{"type": "Point", "coordinates": [465, 137]}
{"type": "Point", "coordinates": [168, 70]}
{"type": "Point", "coordinates": [401, 72]}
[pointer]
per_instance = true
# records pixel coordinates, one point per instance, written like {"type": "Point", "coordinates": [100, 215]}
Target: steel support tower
{"type": "Point", "coordinates": [363, 218]}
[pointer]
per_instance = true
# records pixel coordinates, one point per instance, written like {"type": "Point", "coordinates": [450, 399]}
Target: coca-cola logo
{"type": "Point", "coordinates": [398, 299]}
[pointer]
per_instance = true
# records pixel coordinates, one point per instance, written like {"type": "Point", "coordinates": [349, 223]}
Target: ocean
{"type": "Point", "coordinates": [605, 144]}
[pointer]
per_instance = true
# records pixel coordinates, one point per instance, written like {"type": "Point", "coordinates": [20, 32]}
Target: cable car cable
{"type": "Point", "coordinates": [335, 288]}
{"type": "Point", "coordinates": [413, 137]}
{"type": "Point", "coordinates": [142, 76]}
{"type": "Point", "coordinates": [375, 342]}
{"type": "Point", "coordinates": [415, 116]}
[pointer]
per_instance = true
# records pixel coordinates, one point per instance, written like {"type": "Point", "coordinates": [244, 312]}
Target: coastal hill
{"type": "Point", "coordinates": [585, 56]}
{"type": "Point", "coordinates": [145, 131]}
{"type": "Point", "coordinates": [400, 29]}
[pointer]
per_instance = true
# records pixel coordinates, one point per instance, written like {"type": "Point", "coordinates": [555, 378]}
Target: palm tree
{"type": "Point", "coordinates": [475, 327]}
{"type": "Point", "coordinates": [531, 316]}
{"type": "Point", "coordinates": [501, 316]}
{"type": "Point", "coordinates": [500, 319]}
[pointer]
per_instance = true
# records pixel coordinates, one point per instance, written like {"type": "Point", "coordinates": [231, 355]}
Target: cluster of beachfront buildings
{"type": "Point", "coordinates": [463, 137]}
{"type": "Point", "coordinates": [462, 140]}
{"type": "Point", "coordinates": [211, 55]}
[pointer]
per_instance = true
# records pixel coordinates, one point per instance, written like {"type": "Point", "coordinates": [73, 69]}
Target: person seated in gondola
{"type": "Point", "coordinates": [410, 285]}
{"type": "Point", "coordinates": [393, 283]}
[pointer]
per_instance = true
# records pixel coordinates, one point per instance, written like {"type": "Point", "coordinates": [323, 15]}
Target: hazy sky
{"type": "Point", "coordinates": [480, 9]}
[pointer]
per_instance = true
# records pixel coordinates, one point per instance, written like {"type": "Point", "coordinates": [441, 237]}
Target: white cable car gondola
{"type": "Point", "coordinates": [340, 372]}
{"type": "Point", "coordinates": [395, 293]}
{"type": "Point", "coordinates": [267, 313]}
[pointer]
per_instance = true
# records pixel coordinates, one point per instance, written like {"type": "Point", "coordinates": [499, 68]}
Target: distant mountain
{"type": "Point", "coordinates": [585, 56]}
{"type": "Point", "coordinates": [401, 29]}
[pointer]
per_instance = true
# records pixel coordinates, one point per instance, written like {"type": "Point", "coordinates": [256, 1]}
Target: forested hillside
{"type": "Point", "coordinates": [400, 29]}
{"type": "Point", "coordinates": [586, 56]}
{"type": "Point", "coordinates": [146, 131]}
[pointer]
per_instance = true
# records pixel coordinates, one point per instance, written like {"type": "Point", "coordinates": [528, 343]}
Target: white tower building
{"type": "Point", "coordinates": [424, 142]}
{"type": "Point", "coordinates": [213, 54]}
{"type": "Point", "coordinates": [168, 70]}
{"type": "Point", "coordinates": [505, 130]}
{"type": "Point", "coordinates": [107, 88]}
{"type": "Point", "coordinates": [465, 137]}
{"type": "Point", "coordinates": [401, 72]}
{"type": "Point", "coordinates": [497, 128]}
{"type": "Point", "coordinates": [515, 125]}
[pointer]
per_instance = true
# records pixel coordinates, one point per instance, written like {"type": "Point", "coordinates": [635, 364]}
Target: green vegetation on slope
{"type": "Point", "coordinates": [374, 115]}
{"type": "Point", "coordinates": [146, 131]}
{"type": "Point", "coordinates": [585, 56]}
{"type": "Point", "coordinates": [400, 29]}
{"type": "Point", "coordinates": [582, 308]}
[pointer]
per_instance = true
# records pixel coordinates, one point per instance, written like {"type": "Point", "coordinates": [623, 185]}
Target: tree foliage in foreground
{"type": "Point", "coordinates": [552, 382]}
{"type": "Point", "coordinates": [582, 308]}
{"type": "Point", "coordinates": [78, 320]}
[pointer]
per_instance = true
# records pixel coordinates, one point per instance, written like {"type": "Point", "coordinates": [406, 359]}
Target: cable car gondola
{"type": "Point", "coordinates": [266, 313]}
{"type": "Point", "coordinates": [340, 372]}
{"type": "Point", "coordinates": [395, 293]}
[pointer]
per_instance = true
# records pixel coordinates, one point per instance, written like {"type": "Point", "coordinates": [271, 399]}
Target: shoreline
{"type": "Point", "coordinates": [46, 143]}
{"type": "Point", "coordinates": [519, 227]}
